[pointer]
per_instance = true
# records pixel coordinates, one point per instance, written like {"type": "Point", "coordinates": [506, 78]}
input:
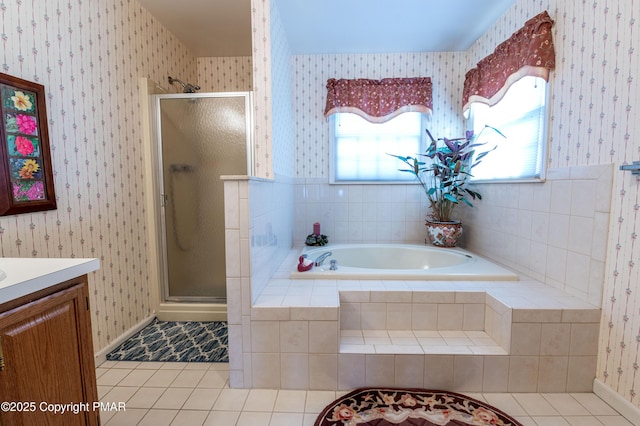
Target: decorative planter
{"type": "Point", "coordinates": [444, 234]}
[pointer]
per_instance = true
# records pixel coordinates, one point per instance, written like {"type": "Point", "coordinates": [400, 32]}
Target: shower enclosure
{"type": "Point", "coordinates": [200, 136]}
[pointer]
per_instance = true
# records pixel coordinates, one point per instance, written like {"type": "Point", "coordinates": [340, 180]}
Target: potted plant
{"type": "Point", "coordinates": [445, 180]}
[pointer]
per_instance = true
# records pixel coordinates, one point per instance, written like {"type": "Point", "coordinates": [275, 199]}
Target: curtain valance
{"type": "Point", "coordinates": [379, 100]}
{"type": "Point", "coordinates": [528, 52]}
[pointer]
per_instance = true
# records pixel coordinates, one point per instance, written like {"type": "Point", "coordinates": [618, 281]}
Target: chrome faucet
{"type": "Point", "coordinates": [320, 259]}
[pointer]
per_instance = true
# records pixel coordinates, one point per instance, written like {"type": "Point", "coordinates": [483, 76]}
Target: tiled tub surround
{"type": "Point", "coordinates": [554, 231]}
{"type": "Point", "coordinates": [520, 336]}
{"type": "Point", "coordinates": [535, 228]}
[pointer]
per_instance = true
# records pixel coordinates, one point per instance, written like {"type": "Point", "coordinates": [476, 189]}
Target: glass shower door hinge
{"type": "Point", "coordinates": [634, 167]}
{"type": "Point", "coordinates": [164, 199]}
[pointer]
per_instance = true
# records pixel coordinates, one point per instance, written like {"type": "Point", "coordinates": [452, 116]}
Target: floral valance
{"type": "Point", "coordinates": [379, 100]}
{"type": "Point", "coordinates": [528, 52]}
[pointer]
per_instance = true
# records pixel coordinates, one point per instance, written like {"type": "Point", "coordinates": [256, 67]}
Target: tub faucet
{"type": "Point", "coordinates": [320, 259]}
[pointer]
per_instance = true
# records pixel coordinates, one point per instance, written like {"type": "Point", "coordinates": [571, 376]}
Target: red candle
{"type": "Point", "coordinates": [316, 228]}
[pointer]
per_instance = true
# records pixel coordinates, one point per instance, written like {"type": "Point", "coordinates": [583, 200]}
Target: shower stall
{"type": "Point", "coordinates": [199, 137]}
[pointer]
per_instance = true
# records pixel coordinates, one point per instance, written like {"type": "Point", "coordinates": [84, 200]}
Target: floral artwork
{"type": "Point", "coordinates": [26, 184]}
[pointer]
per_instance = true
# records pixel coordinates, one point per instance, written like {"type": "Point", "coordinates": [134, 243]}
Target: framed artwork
{"type": "Point", "coordinates": [26, 179]}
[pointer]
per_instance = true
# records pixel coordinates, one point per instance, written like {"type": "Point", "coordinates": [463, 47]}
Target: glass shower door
{"type": "Point", "coordinates": [202, 137]}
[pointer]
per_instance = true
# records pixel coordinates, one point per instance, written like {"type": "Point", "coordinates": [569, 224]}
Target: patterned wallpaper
{"type": "Point", "coordinates": [225, 74]}
{"type": "Point", "coordinates": [594, 119]}
{"type": "Point", "coordinates": [260, 31]}
{"type": "Point", "coordinates": [89, 55]}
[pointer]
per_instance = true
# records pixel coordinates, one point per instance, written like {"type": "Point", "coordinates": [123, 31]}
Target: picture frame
{"type": "Point", "coordinates": [26, 177]}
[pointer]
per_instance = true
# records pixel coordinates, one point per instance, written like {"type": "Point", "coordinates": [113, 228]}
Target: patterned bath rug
{"type": "Point", "coordinates": [410, 407]}
{"type": "Point", "coordinates": [176, 341]}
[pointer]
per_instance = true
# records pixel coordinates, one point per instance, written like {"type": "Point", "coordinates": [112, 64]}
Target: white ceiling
{"type": "Point", "coordinates": [223, 27]}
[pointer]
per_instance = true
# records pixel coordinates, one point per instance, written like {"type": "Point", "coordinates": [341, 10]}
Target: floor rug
{"type": "Point", "coordinates": [410, 407]}
{"type": "Point", "coordinates": [176, 341]}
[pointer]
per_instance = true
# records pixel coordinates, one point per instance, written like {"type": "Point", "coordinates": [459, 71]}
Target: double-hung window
{"type": "Point", "coordinates": [521, 115]}
{"type": "Point", "coordinates": [359, 149]}
{"type": "Point", "coordinates": [508, 90]}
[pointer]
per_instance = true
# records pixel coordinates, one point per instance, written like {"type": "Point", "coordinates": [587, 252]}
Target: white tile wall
{"type": "Point", "coordinates": [554, 231]}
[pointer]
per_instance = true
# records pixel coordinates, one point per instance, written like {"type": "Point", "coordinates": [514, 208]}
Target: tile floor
{"type": "Point", "coordinates": [191, 394]}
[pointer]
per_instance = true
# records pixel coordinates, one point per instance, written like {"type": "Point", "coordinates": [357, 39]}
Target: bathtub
{"type": "Point", "coordinates": [401, 262]}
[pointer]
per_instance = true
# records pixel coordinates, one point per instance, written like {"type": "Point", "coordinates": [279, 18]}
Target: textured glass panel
{"type": "Point", "coordinates": [202, 139]}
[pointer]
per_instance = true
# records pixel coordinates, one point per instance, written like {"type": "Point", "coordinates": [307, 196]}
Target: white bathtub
{"type": "Point", "coordinates": [401, 262]}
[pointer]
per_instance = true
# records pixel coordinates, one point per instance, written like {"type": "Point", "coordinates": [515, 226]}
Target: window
{"type": "Point", "coordinates": [359, 149]}
{"type": "Point", "coordinates": [521, 115]}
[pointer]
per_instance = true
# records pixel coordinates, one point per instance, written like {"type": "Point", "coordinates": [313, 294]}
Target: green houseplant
{"type": "Point", "coordinates": [445, 180]}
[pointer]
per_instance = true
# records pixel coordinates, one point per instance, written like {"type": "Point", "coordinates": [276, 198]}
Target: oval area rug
{"type": "Point", "coordinates": [410, 407]}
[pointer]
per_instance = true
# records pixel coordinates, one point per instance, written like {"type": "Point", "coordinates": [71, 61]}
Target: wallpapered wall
{"type": "Point", "coordinates": [594, 119]}
{"type": "Point", "coordinates": [225, 74]}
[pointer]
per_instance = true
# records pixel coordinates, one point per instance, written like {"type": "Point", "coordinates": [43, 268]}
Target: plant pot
{"type": "Point", "coordinates": [444, 234]}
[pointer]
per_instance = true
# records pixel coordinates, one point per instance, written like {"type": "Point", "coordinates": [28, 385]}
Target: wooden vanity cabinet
{"type": "Point", "coordinates": [47, 357]}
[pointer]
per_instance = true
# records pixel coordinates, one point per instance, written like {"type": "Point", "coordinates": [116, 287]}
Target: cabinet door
{"type": "Point", "coordinates": [48, 359]}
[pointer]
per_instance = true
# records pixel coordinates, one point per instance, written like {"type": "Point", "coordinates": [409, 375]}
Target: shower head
{"type": "Point", "coordinates": [186, 87]}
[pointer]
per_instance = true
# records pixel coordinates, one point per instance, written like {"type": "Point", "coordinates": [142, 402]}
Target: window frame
{"type": "Point", "coordinates": [425, 119]}
{"type": "Point", "coordinates": [543, 146]}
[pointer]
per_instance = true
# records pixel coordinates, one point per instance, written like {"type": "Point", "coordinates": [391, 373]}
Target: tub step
{"type": "Point", "coordinates": [431, 342]}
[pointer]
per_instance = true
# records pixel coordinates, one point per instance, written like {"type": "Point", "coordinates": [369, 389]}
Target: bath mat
{"type": "Point", "coordinates": [410, 407]}
{"type": "Point", "coordinates": [176, 341]}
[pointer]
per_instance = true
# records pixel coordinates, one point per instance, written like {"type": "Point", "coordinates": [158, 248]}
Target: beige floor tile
{"type": "Point", "coordinates": [248, 418]}
{"type": "Point", "coordinates": [150, 365]}
{"type": "Point", "coordinates": [309, 419]}
{"type": "Point", "coordinates": [290, 401]}
{"type": "Point", "coordinates": [162, 378]}
{"type": "Point", "coordinates": [113, 376]}
{"type": "Point", "coordinates": [219, 418]}
{"type": "Point", "coordinates": [535, 405]}
{"type": "Point", "coordinates": [505, 402]}
{"type": "Point", "coordinates": [130, 417]}
{"type": "Point", "coordinates": [197, 366]}
{"type": "Point", "coordinates": [103, 390]}
{"type": "Point", "coordinates": [120, 394]}
{"type": "Point", "coordinates": [318, 400]}
{"type": "Point", "coordinates": [288, 419]}
{"type": "Point", "coordinates": [145, 397]}
{"type": "Point", "coordinates": [550, 420]}
{"type": "Point", "coordinates": [190, 418]}
{"type": "Point", "coordinates": [173, 398]}
{"type": "Point", "coordinates": [136, 378]}
{"type": "Point", "coordinates": [594, 405]}
{"type": "Point", "coordinates": [565, 404]}
{"type": "Point", "coordinates": [231, 399]}
{"type": "Point", "coordinates": [201, 399]}
{"type": "Point", "coordinates": [174, 365]}
{"type": "Point", "coordinates": [156, 417]}
{"type": "Point", "coordinates": [583, 421]}
{"type": "Point", "coordinates": [188, 378]}
{"type": "Point", "coordinates": [260, 400]}
{"type": "Point", "coordinates": [214, 379]}
{"type": "Point", "coordinates": [614, 421]}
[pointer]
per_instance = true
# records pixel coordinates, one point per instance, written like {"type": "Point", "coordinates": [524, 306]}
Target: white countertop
{"type": "Point", "coordinates": [28, 275]}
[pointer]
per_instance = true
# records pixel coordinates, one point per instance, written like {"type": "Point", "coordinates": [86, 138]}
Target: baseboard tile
{"type": "Point", "coordinates": [621, 405]}
{"type": "Point", "coordinates": [101, 355]}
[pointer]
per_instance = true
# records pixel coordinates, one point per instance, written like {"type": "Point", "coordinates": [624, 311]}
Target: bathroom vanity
{"type": "Point", "coordinates": [46, 348]}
